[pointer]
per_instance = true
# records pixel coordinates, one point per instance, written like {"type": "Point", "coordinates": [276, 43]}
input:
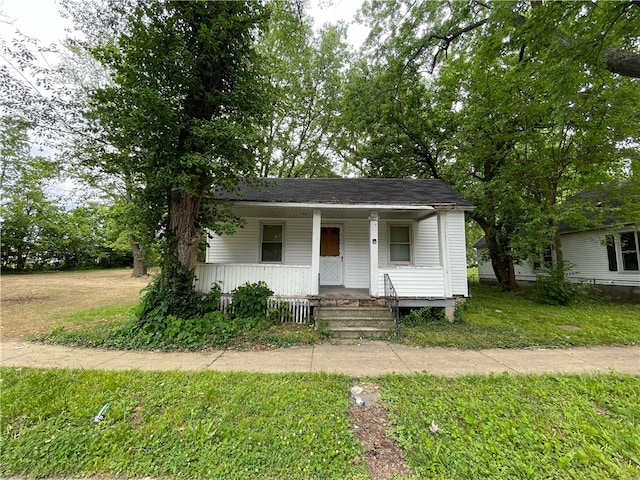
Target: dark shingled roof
{"type": "Point", "coordinates": [368, 191]}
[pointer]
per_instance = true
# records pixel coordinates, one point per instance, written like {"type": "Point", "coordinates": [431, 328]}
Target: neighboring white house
{"type": "Point", "coordinates": [606, 257]}
{"type": "Point", "coordinates": [304, 235]}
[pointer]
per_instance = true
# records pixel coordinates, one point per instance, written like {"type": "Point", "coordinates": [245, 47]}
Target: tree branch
{"type": "Point", "coordinates": [623, 63]}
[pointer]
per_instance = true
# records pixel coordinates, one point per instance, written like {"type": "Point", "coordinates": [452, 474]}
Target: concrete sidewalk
{"type": "Point", "coordinates": [368, 358]}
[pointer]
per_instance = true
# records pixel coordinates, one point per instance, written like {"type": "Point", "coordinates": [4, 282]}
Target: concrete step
{"type": "Point", "coordinates": [350, 333]}
{"type": "Point", "coordinates": [351, 302]}
{"type": "Point", "coordinates": [355, 322]}
{"type": "Point", "coordinates": [381, 323]}
{"type": "Point", "coordinates": [323, 313]}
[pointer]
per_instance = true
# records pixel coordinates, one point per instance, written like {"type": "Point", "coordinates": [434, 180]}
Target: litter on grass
{"type": "Point", "coordinates": [100, 416]}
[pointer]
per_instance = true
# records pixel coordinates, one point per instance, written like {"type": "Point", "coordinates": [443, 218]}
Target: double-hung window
{"type": "Point", "coordinates": [400, 243]}
{"type": "Point", "coordinates": [544, 260]}
{"type": "Point", "coordinates": [627, 258]}
{"type": "Point", "coordinates": [272, 243]}
{"type": "Point", "coordinates": [629, 251]}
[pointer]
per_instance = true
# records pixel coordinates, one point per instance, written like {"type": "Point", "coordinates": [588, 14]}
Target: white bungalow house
{"type": "Point", "coordinates": [345, 238]}
{"type": "Point", "coordinates": [608, 257]}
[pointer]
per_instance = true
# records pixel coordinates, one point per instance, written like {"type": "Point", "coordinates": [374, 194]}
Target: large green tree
{"type": "Point", "coordinates": [528, 111]}
{"type": "Point", "coordinates": [305, 72]}
{"type": "Point", "coordinates": [28, 219]}
{"type": "Point", "coordinates": [181, 111]}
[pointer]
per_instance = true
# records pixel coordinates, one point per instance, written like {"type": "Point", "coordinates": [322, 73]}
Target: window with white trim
{"type": "Point", "coordinates": [400, 243]}
{"type": "Point", "coordinates": [271, 243]}
{"type": "Point", "coordinates": [544, 260]}
{"type": "Point", "coordinates": [623, 252]}
{"type": "Point", "coordinates": [629, 251]}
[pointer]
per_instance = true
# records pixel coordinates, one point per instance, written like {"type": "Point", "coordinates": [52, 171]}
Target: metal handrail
{"type": "Point", "coordinates": [392, 299]}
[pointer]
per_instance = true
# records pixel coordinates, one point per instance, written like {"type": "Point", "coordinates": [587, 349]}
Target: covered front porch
{"type": "Point", "coordinates": [327, 248]}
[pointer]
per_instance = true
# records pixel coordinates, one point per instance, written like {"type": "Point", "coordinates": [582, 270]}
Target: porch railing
{"type": "Point", "coordinates": [392, 298]}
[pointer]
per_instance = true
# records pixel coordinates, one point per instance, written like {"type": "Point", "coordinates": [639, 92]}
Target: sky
{"type": "Point", "coordinates": [41, 19]}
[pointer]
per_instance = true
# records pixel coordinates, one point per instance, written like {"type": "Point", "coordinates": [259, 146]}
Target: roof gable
{"type": "Point", "coordinates": [349, 191]}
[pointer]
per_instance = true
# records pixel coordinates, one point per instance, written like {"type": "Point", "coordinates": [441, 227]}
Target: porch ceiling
{"type": "Point", "coordinates": [272, 211]}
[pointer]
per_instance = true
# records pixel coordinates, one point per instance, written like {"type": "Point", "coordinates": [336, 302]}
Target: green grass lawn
{"type": "Point", "coordinates": [504, 427]}
{"type": "Point", "coordinates": [496, 319]}
{"type": "Point", "coordinates": [241, 425]}
{"type": "Point", "coordinates": [179, 425]}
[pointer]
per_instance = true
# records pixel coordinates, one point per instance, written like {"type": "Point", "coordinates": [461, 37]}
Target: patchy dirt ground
{"type": "Point", "coordinates": [37, 303]}
{"type": "Point", "coordinates": [383, 456]}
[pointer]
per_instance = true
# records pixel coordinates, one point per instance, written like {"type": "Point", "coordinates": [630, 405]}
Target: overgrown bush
{"type": "Point", "coordinates": [211, 301]}
{"type": "Point", "coordinates": [250, 300]}
{"type": "Point", "coordinates": [169, 295]}
{"type": "Point", "coordinates": [174, 315]}
{"type": "Point", "coordinates": [421, 316]}
{"type": "Point", "coordinates": [554, 289]}
{"type": "Point", "coordinates": [155, 327]}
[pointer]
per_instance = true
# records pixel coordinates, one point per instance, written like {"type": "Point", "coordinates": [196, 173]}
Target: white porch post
{"type": "Point", "coordinates": [373, 254]}
{"type": "Point", "coordinates": [443, 250]}
{"type": "Point", "coordinates": [315, 252]}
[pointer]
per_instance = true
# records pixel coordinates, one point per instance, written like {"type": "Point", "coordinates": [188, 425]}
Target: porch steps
{"type": "Point", "coordinates": [351, 322]}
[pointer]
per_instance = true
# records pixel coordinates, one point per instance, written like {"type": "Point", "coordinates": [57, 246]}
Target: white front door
{"type": "Point", "coordinates": [331, 255]}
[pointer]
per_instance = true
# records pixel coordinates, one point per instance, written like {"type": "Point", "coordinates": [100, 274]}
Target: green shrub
{"type": "Point", "coordinates": [211, 300]}
{"type": "Point", "coordinates": [421, 316]}
{"type": "Point", "coordinates": [250, 300]}
{"type": "Point", "coordinates": [554, 289]}
{"type": "Point", "coordinates": [169, 294]}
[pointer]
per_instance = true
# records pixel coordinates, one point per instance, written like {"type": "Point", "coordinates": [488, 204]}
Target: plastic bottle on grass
{"type": "Point", "coordinates": [98, 418]}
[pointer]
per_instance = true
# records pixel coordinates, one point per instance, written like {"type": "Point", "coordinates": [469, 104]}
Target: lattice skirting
{"type": "Point", "coordinates": [290, 309]}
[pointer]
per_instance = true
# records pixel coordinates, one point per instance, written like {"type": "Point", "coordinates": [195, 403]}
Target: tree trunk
{"type": "Point", "coordinates": [139, 259]}
{"type": "Point", "coordinates": [184, 234]}
{"type": "Point", "coordinates": [501, 260]}
{"type": "Point", "coordinates": [557, 247]}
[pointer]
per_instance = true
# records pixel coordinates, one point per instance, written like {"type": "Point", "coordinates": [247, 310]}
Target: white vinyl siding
{"type": "Point", "coordinates": [239, 254]}
{"type": "Point", "coordinates": [241, 247]}
{"type": "Point", "coordinates": [283, 280]}
{"type": "Point", "coordinates": [414, 282]}
{"type": "Point", "coordinates": [244, 245]}
{"type": "Point", "coordinates": [298, 242]}
{"type": "Point", "coordinates": [587, 253]}
{"type": "Point", "coordinates": [457, 253]}
{"type": "Point", "coordinates": [356, 254]}
{"type": "Point", "coordinates": [426, 243]}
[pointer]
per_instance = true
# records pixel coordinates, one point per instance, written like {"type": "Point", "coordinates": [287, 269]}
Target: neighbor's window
{"type": "Point", "coordinates": [544, 260]}
{"type": "Point", "coordinates": [400, 243]}
{"type": "Point", "coordinates": [629, 251]}
{"type": "Point", "coordinates": [271, 243]}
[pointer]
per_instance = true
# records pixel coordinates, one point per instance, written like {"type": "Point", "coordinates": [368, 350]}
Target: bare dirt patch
{"type": "Point", "coordinates": [383, 456]}
{"type": "Point", "coordinates": [39, 302]}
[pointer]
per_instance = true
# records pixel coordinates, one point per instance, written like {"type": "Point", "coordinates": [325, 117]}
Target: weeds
{"type": "Point", "coordinates": [247, 321]}
{"type": "Point", "coordinates": [493, 318]}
